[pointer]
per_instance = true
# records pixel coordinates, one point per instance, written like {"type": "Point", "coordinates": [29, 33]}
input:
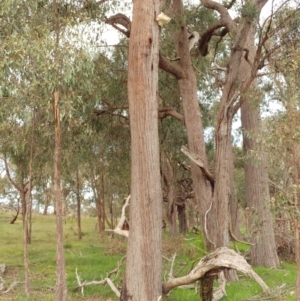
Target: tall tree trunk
{"type": "Point", "coordinates": [61, 293]}
{"type": "Point", "coordinates": [30, 181]}
{"type": "Point", "coordinates": [27, 217]}
{"type": "Point", "coordinates": [181, 210]}
{"type": "Point", "coordinates": [195, 134]}
{"type": "Point", "coordinates": [296, 222]}
{"type": "Point", "coordinates": [103, 202]}
{"type": "Point", "coordinates": [263, 251]}
{"type": "Point", "coordinates": [61, 286]}
{"type": "Point", "coordinates": [47, 201]}
{"type": "Point", "coordinates": [78, 204]}
{"type": "Point", "coordinates": [25, 254]}
{"type": "Point", "coordinates": [292, 113]}
{"type": "Point", "coordinates": [234, 205]}
{"type": "Point", "coordinates": [143, 275]}
{"type": "Point", "coordinates": [222, 193]}
{"type": "Point", "coordinates": [168, 175]}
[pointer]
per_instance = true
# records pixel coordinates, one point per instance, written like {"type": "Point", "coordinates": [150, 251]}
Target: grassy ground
{"type": "Point", "coordinates": [94, 257]}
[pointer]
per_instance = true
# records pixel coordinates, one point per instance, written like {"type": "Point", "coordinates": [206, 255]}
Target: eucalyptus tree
{"type": "Point", "coordinates": [41, 66]}
{"type": "Point", "coordinates": [282, 132]}
{"type": "Point", "coordinates": [263, 247]}
{"type": "Point", "coordinates": [214, 206]}
{"type": "Point", "coordinates": [143, 264]}
{"type": "Point", "coordinates": [257, 180]}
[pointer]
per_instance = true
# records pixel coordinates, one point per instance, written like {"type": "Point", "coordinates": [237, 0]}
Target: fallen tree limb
{"type": "Point", "coordinates": [222, 258]}
{"type": "Point", "coordinates": [107, 280]}
{"type": "Point", "coordinates": [3, 289]}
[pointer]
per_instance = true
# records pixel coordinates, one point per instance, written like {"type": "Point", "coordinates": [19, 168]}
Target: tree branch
{"type": "Point", "coordinates": [218, 260]}
{"type": "Point", "coordinates": [11, 180]}
{"type": "Point", "coordinates": [198, 161]}
{"type": "Point", "coordinates": [169, 67]}
{"type": "Point", "coordinates": [168, 111]}
{"type": "Point", "coordinates": [164, 64]}
{"type": "Point", "coordinates": [118, 229]}
{"type": "Point", "coordinates": [107, 280]}
{"type": "Point", "coordinates": [206, 36]}
{"type": "Point", "coordinates": [120, 19]}
{"type": "Point", "coordinates": [222, 10]}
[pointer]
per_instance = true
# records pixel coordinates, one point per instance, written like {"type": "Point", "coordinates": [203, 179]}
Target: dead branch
{"type": "Point", "coordinates": [118, 229]}
{"type": "Point", "coordinates": [2, 282]}
{"type": "Point", "coordinates": [220, 259]}
{"type": "Point", "coordinates": [117, 269]}
{"type": "Point", "coordinates": [107, 280]}
{"type": "Point", "coordinates": [198, 161]}
{"type": "Point", "coordinates": [218, 67]}
{"type": "Point", "coordinates": [221, 292]}
{"type": "Point", "coordinates": [120, 19]}
{"type": "Point", "coordinates": [193, 39]}
{"type": "Point", "coordinates": [205, 225]}
{"type": "Point", "coordinates": [2, 268]}
{"type": "Point", "coordinates": [170, 275]}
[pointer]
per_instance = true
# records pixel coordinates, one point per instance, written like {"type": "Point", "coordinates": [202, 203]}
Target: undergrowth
{"type": "Point", "coordinates": [94, 257]}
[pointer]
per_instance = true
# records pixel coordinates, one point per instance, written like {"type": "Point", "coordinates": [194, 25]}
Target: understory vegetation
{"type": "Point", "coordinates": [94, 257]}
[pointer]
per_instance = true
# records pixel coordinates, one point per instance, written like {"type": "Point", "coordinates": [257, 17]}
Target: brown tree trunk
{"type": "Point", "coordinates": [195, 135]}
{"type": "Point", "coordinates": [263, 251]}
{"type": "Point", "coordinates": [168, 176]}
{"type": "Point", "coordinates": [191, 211]}
{"type": "Point", "coordinates": [47, 202]}
{"type": "Point", "coordinates": [228, 106]}
{"type": "Point", "coordinates": [99, 215]}
{"type": "Point", "coordinates": [234, 205]}
{"type": "Point", "coordinates": [98, 203]}
{"type": "Point", "coordinates": [291, 115]}
{"type": "Point", "coordinates": [222, 192]}
{"type": "Point", "coordinates": [207, 287]}
{"type": "Point", "coordinates": [111, 223]}
{"type": "Point", "coordinates": [61, 286]}
{"type": "Point", "coordinates": [103, 202]}
{"type": "Point", "coordinates": [61, 293]}
{"type": "Point", "coordinates": [78, 205]}
{"type": "Point", "coordinates": [181, 210]}
{"type": "Point", "coordinates": [17, 214]}
{"type": "Point", "coordinates": [143, 275]}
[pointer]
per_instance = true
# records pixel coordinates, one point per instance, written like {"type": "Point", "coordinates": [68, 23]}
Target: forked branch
{"type": "Point", "coordinates": [119, 228]}
{"type": "Point", "coordinates": [222, 258]}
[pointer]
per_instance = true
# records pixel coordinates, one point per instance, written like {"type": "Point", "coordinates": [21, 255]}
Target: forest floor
{"type": "Point", "coordinates": [94, 257]}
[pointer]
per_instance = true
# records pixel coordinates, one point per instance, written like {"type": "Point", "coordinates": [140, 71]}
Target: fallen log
{"type": "Point", "coordinates": [210, 266]}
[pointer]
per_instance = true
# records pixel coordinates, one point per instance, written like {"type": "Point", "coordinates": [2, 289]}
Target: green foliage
{"type": "Point", "coordinates": [250, 10]}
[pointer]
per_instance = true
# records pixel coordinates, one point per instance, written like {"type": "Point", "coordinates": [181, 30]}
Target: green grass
{"type": "Point", "coordinates": [94, 257]}
{"type": "Point", "coordinates": [91, 256]}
